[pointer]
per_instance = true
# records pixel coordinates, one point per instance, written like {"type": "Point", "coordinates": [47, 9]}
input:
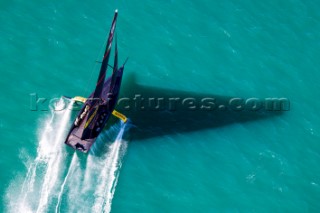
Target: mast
{"type": "Point", "coordinates": [105, 60]}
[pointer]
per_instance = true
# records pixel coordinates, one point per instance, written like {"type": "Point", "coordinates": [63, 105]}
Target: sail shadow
{"type": "Point", "coordinates": [182, 115]}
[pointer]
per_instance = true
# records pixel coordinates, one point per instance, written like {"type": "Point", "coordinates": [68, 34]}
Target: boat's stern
{"type": "Point", "coordinates": [79, 144]}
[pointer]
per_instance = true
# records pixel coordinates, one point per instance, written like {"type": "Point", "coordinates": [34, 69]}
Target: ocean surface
{"type": "Point", "coordinates": [162, 160]}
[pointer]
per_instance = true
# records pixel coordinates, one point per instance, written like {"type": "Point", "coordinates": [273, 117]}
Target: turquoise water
{"type": "Point", "coordinates": [222, 162]}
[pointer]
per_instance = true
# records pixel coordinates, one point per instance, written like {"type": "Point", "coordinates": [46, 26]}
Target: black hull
{"type": "Point", "coordinates": [98, 108]}
{"type": "Point", "coordinates": [77, 138]}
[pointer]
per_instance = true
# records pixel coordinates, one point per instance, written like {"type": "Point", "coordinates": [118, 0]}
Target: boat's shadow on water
{"type": "Point", "coordinates": [178, 118]}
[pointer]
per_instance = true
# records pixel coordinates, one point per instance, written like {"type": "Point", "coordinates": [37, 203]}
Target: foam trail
{"type": "Point", "coordinates": [108, 177]}
{"type": "Point", "coordinates": [74, 195]}
{"type": "Point", "coordinates": [70, 171]}
{"type": "Point", "coordinates": [115, 166]}
{"type": "Point", "coordinates": [30, 177]}
{"type": "Point", "coordinates": [43, 172]}
{"type": "Point", "coordinates": [48, 179]}
{"type": "Point", "coordinates": [28, 183]}
{"type": "Point", "coordinates": [54, 159]}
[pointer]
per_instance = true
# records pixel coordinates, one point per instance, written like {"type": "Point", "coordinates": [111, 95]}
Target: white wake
{"type": "Point", "coordinates": [57, 181]}
{"type": "Point", "coordinates": [99, 178]}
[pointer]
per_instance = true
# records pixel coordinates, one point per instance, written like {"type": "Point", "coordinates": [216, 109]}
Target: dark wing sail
{"type": "Point", "coordinates": [115, 66]}
{"type": "Point", "coordinates": [96, 98]}
{"type": "Point", "coordinates": [105, 60]}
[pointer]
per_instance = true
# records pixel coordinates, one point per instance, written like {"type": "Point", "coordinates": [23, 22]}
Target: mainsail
{"type": "Point", "coordinates": [105, 60]}
{"type": "Point", "coordinates": [96, 98]}
{"type": "Point", "coordinates": [115, 66]}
